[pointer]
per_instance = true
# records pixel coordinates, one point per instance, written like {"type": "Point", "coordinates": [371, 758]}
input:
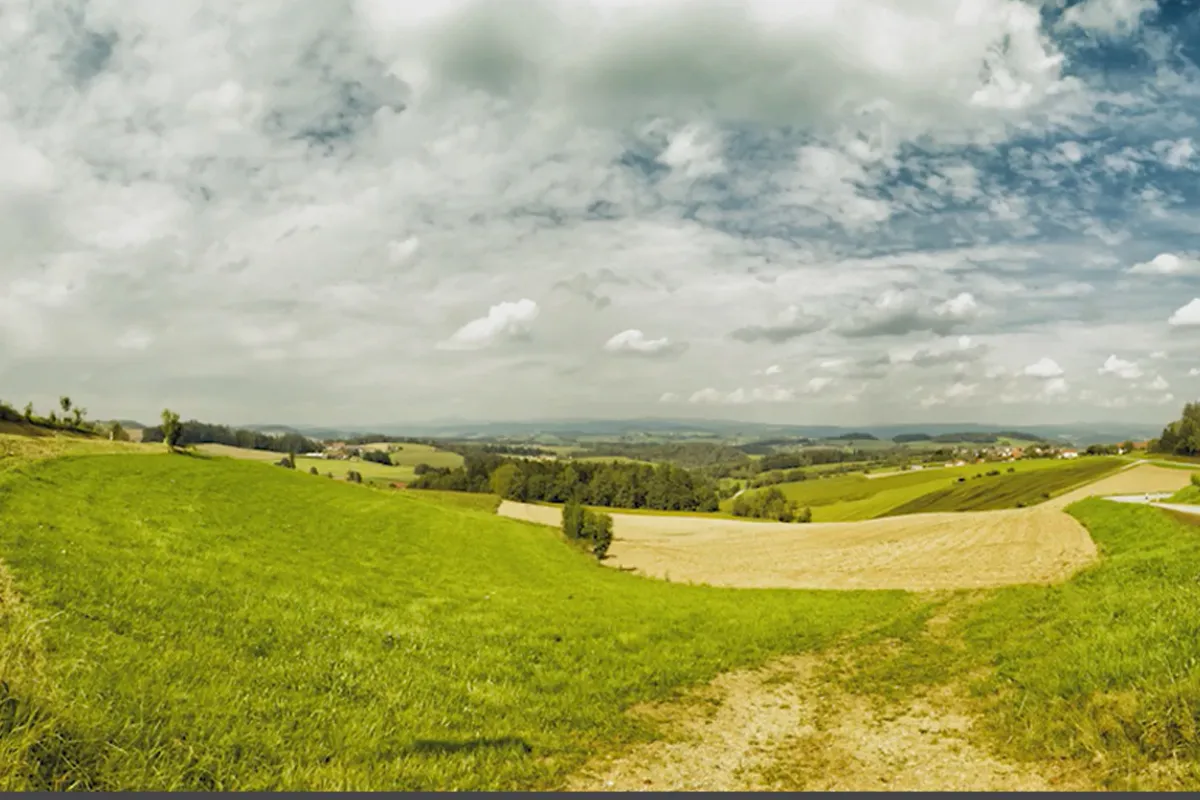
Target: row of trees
{"type": "Point", "coordinates": [73, 417]}
{"type": "Point", "coordinates": [195, 432]}
{"type": "Point", "coordinates": [615, 485]}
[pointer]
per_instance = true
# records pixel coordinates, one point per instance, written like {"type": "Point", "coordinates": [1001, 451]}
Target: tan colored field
{"type": "Point", "coordinates": [918, 552]}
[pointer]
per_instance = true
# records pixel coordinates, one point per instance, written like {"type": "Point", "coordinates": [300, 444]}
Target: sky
{"type": "Point", "coordinates": [801, 211]}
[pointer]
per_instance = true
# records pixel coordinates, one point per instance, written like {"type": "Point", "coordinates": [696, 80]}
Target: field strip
{"type": "Point", "coordinates": [917, 552]}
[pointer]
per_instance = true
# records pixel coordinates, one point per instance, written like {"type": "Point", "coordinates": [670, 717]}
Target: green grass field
{"type": "Point", "coordinates": [217, 624]}
{"type": "Point", "coordinates": [1189, 495]}
{"type": "Point", "coordinates": [1010, 491]}
{"type": "Point", "coordinates": [846, 498]}
{"type": "Point", "coordinates": [1101, 670]}
{"type": "Point", "coordinates": [403, 462]}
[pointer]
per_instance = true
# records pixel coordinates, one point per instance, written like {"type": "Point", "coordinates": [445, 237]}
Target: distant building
{"type": "Point", "coordinates": [1068, 454]}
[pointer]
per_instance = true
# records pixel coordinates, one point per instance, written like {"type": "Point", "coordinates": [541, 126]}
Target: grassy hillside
{"type": "Point", "coordinates": [1189, 495]}
{"type": "Point", "coordinates": [201, 623]}
{"type": "Point", "coordinates": [1102, 669]}
{"type": "Point", "coordinates": [1009, 491]}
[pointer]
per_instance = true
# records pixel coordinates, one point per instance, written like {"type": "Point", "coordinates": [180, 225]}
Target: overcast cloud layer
{"type": "Point", "coordinates": [829, 211]}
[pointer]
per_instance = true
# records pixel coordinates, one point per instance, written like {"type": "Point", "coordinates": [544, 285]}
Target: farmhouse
{"type": "Point", "coordinates": [1068, 454]}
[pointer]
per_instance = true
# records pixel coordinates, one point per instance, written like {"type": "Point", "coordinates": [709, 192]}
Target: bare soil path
{"type": "Point", "coordinates": [785, 727]}
{"type": "Point", "coordinates": [918, 552]}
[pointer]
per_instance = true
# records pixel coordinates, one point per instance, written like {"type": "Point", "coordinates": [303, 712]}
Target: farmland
{"type": "Point", "coordinates": [856, 497]}
{"type": "Point", "coordinates": [401, 471]}
{"type": "Point", "coordinates": [355, 638]}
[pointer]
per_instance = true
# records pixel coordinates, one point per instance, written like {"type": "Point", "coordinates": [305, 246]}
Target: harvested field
{"type": "Point", "coordinates": [915, 552]}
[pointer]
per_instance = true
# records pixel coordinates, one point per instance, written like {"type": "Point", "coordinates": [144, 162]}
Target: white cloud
{"type": "Point", "coordinates": [266, 211]}
{"type": "Point", "coordinates": [1158, 384]}
{"type": "Point", "coordinates": [1194, 371]}
{"type": "Point", "coordinates": [1044, 368]}
{"type": "Point", "coordinates": [1167, 264]}
{"type": "Point", "coordinates": [505, 320]}
{"type": "Point", "coordinates": [1120, 368]}
{"type": "Point", "coordinates": [668, 397]}
{"type": "Point", "coordinates": [739, 396]}
{"type": "Point", "coordinates": [1159, 355]}
{"type": "Point", "coordinates": [1055, 387]}
{"type": "Point", "coordinates": [1186, 315]}
{"type": "Point", "coordinates": [774, 369]}
{"type": "Point", "coordinates": [634, 342]}
{"type": "Point", "coordinates": [1111, 17]}
{"type": "Point", "coordinates": [1175, 154]}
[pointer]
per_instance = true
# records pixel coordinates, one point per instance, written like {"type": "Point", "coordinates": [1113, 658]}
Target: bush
{"type": "Point", "coordinates": [377, 456]}
{"type": "Point", "coordinates": [354, 476]}
{"type": "Point", "coordinates": [313, 471]}
{"type": "Point", "coordinates": [287, 462]}
{"type": "Point", "coordinates": [580, 524]}
{"type": "Point", "coordinates": [1012, 469]}
{"type": "Point", "coordinates": [1196, 479]}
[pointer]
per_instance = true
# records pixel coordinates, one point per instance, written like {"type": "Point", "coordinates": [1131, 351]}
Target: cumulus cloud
{"type": "Point", "coordinates": [270, 211]}
{"type": "Point", "coordinates": [1167, 264]}
{"type": "Point", "coordinates": [1045, 368]}
{"type": "Point", "coordinates": [1159, 384]}
{"type": "Point", "coordinates": [1109, 17]}
{"type": "Point", "coordinates": [1187, 315]}
{"type": "Point", "coordinates": [503, 321]}
{"type": "Point", "coordinates": [900, 312]}
{"type": "Point", "coordinates": [791, 324]}
{"type": "Point", "coordinates": [633, 342]}
{"type": "Point", "coordinates": [1120, 368]}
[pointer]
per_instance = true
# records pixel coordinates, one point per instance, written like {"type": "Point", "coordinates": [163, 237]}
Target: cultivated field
{"type": "Point", "coordinates": [916, 552]}
{"type": "Point", "coordinates": [845, 498]}
{"type": "Point", "coordinates": [403, 461]}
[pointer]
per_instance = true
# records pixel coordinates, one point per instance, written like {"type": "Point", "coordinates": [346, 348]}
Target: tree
{"type": "Point", "coordinates": [65, 403]}
{"type": "Point", "coordinates": [172, 429]}
{"type": "Point", "coordinates": [77, 415]}
{"type": "Point", "coordinates": [572, 520]}
{"type": "Point", "coordinates": [502, 479]}
{"type": "Point", "coordinates": [29, 412]}
{"type": "Point", "coordinates": [598, 529]}
{"type": "Point", "coordinates": [117, 433]}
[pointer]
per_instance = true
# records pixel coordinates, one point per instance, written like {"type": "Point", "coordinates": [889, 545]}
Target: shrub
{"type": "Point", "coordinates": [1196, 479]}
{"type": "Point", "coordinates": [1012, 469]}
{"type": "Point", "coordinates": [377, 456]}
{"type": "Point", "coordinates": [353, 476]}
{"type": "Point", "coordinates": [597, 529]}
{"type": "Point", "coordinates": [313, 471]}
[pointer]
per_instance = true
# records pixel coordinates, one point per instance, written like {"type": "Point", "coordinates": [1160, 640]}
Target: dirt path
{"type": "Point", "coordinates": [918, 552]}
{"type": "Point", "coordinates": [784, 728]}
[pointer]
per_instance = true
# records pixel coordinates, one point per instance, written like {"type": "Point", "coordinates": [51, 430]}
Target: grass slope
{"type": "Point", "coordinates": [198, 623]}
{"type": "Point", "coordinates": [1102, 669]}
{"type": "Point", "coordinates": [1009, 490]}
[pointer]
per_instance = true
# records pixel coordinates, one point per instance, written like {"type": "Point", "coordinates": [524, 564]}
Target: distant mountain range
{"type": "Point", "coordinates": [1076, 434]}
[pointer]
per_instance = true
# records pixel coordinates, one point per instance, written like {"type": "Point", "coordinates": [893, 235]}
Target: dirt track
{"type": "Point", "coordinates": [917, 552]}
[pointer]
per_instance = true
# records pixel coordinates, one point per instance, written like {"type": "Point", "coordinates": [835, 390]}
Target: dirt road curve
{"type": "Point", "coordinates": [916, 552]}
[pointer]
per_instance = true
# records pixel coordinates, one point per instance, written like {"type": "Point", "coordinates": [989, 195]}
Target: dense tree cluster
{"type": "Point", "coordinates": [376, 456]}
{"type": "Point", "coordinates": [1181, 437]}
{"type": "Point", "coordinates": [770, 504]}
{"type": "Point", "coordinates": [618, 485]}
{"type": "Point", "coordinates": [194, 432]}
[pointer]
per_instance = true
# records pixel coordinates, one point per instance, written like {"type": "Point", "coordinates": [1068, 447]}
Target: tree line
{"type": "Point", "coordinates": [663, 487]}
{"type": "Point", "coordinates": [195, 432]}
{"type": "Point", "coordinates": [1181, 437]}
{"type": "Point", "coordinates": [771, 504]}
